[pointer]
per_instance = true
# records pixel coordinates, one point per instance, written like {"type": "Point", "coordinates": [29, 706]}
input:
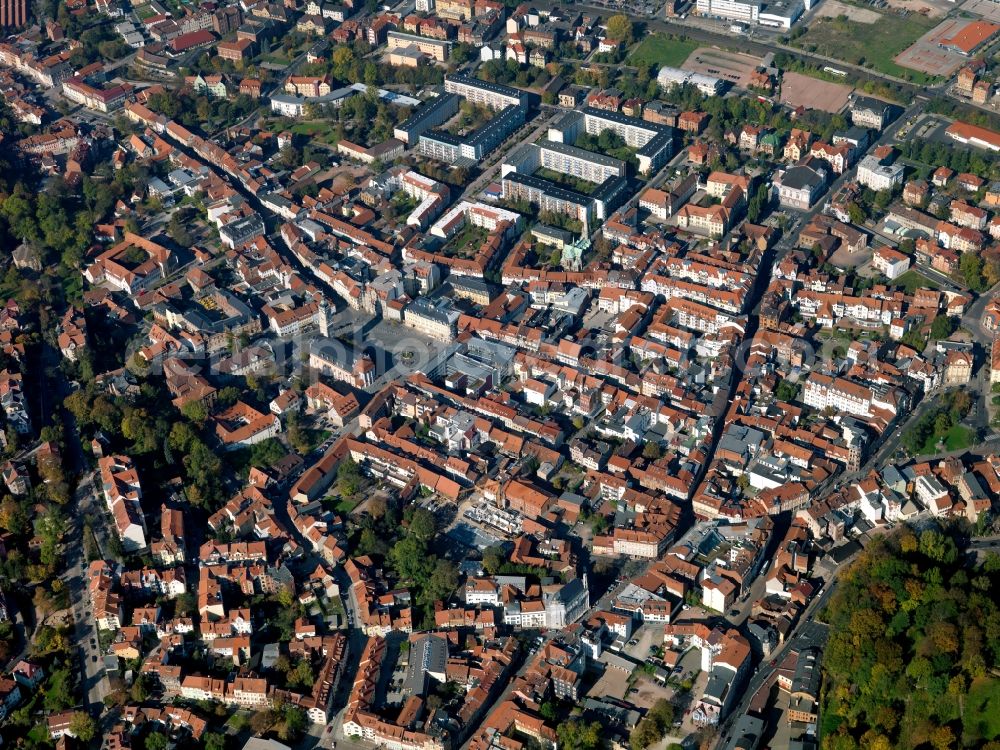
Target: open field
{"type": "Point", "coordinates": [873, 45]}
{"type": "Point", "coordinates": [317, 130]}
{"type": "Point", "coordinates": [729, 66]}
{"type": "Point", "coordinates": [913, 280]}
{"type": "Point", "coordinates": [659, 49]}
{"type": "Point", "coordinates": [798, 89]}
{"type": "Point", "coordinates": [930, 55]}
{"type": "Point", "coordinates": [834, 8]}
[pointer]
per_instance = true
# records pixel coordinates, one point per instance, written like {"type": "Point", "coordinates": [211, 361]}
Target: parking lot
{"type": "Point", "coordinates": [930, 128]}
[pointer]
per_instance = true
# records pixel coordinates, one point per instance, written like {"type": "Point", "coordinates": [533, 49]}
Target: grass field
{"type": "Point", "coordinates": [872, 45]}
{"type": "Point", "coordinates": [913, 280]}
{"type": "Point", "coordinates": [321, 131]}
{"type": "Point", "coordinates": [659, 49]}
{"type": "Point", "coordinates": [957, 438]}
{"type": "Point", "coordinates": [982, 711]}
{"type": "Point", "coordinates": [345, 505]}
{"type": "Point", "coordinates": [276, 59]}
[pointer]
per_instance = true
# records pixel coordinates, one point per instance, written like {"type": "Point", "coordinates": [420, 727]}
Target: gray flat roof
{"type": "Point", "coordinates": [603, 114]}
{"type": "Point", "coordinates": [550, 188]}
{"type": "Point", "coordinates": [581, 153]}
{"type": "Point", "coordinates": [496, 88]}
{"type": "Point", "coordinates": [427, 109]}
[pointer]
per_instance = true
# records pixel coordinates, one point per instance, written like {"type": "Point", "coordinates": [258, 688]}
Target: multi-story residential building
{"type": "Point", "coordinates": [964, 215]}
{"type": "Point", "coordinates": [576, 162]}
{"type": "Point", "coordinates": [429, 115]}
{"type": "Point", "coordinates": [655, 143]}
{"type": "Point", "coordinates": [842, 395]}
{"type": "Point", "coordinates": [889, 262]}
{"type": "Point", "coordinates": [493, 95]}
{"type": "Point", "coordinates": [122, 495]}
{"type": "Point", "coordinates": [436, 49]}
{"type": "Point", "coordinates": [878, 176]}
{"type": "Point", "coordinates": [103, 100]}
{"type": "Point", "coordinates": [870, 113]}
{"type": "Point", "coordinates": [241, 426]}
{"type": "Point", "coordinates": [444, 146]}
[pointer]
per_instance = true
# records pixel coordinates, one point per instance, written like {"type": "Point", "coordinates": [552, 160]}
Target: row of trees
{"type": "Point", "coordinates": [935, 154]}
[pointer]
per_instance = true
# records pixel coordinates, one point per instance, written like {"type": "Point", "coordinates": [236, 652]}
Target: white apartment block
{"type": "Point", "coordinates": [579, 163]}
{"type": "Point", "coordinates": [822, 392]}
{"type": "Point", "coordinates": [878, 176]}
{"type": "Point", "coordinates": [493, 95]}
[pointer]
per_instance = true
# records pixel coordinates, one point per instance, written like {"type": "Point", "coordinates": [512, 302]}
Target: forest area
{"type": "Point", "coordinates": [914, 647]}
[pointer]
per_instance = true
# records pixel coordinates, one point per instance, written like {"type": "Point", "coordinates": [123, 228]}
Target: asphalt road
{"type": "Point", "coordinates": [85, 633]}
{"type": "Point", "coordinates": [806, 634]}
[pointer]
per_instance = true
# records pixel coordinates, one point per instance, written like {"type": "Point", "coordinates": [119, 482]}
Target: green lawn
{"type": "Point", "coordinates": [982, 710]}
{"type": "Point", "coordinates": [321, 131]}
{"type": "Point", "coordinates": [872, 45]}
{"type": "Point", "coordinates": [659, 49]}
{"type": "Point", "coordinates": [913, 280]}
{"type": "Point", "coordinates": [957, 438]}
{"type": "Point", "coordinates": [345, 505]}
{"type": "Point", "coordinates": [276, 59]}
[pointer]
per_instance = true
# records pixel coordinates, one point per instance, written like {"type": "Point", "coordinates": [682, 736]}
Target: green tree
{"type": "Point", "coordinates": [494, 558]}
{"type": "Point", "coordinates": [422, 525]}
{"type": "Point", "coordinates": [409, 559]}
{"type": "Point", "coordinates": [302, 675]}
{"type": "Point", "coordinates": [140, 690]}
{"type": "Point", "coordinates": [971, 268]}
{"type": "Point", "coordinates": [576, 734]}
{"type": "Point", "coordinates": [348, 477]}
{"type": "Point", "coordinates": [786, 391]}
{"type": "Point", "coordinates": [856, 213]}
{"type": "Point", "coordinates": [620, 27]}
{"type": "Point", "coordinates": [442, 582]}
{"type": "Point", "coordinates": [942, 327]}
{"type": "Point", "coordinates": [156, 741]}
{"type": "Point", "coordinates": [83, 727]}
{"type": "Point", "coordinates": [651, 450]}
{"type": "Point", "coordinates": [267, 453]}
